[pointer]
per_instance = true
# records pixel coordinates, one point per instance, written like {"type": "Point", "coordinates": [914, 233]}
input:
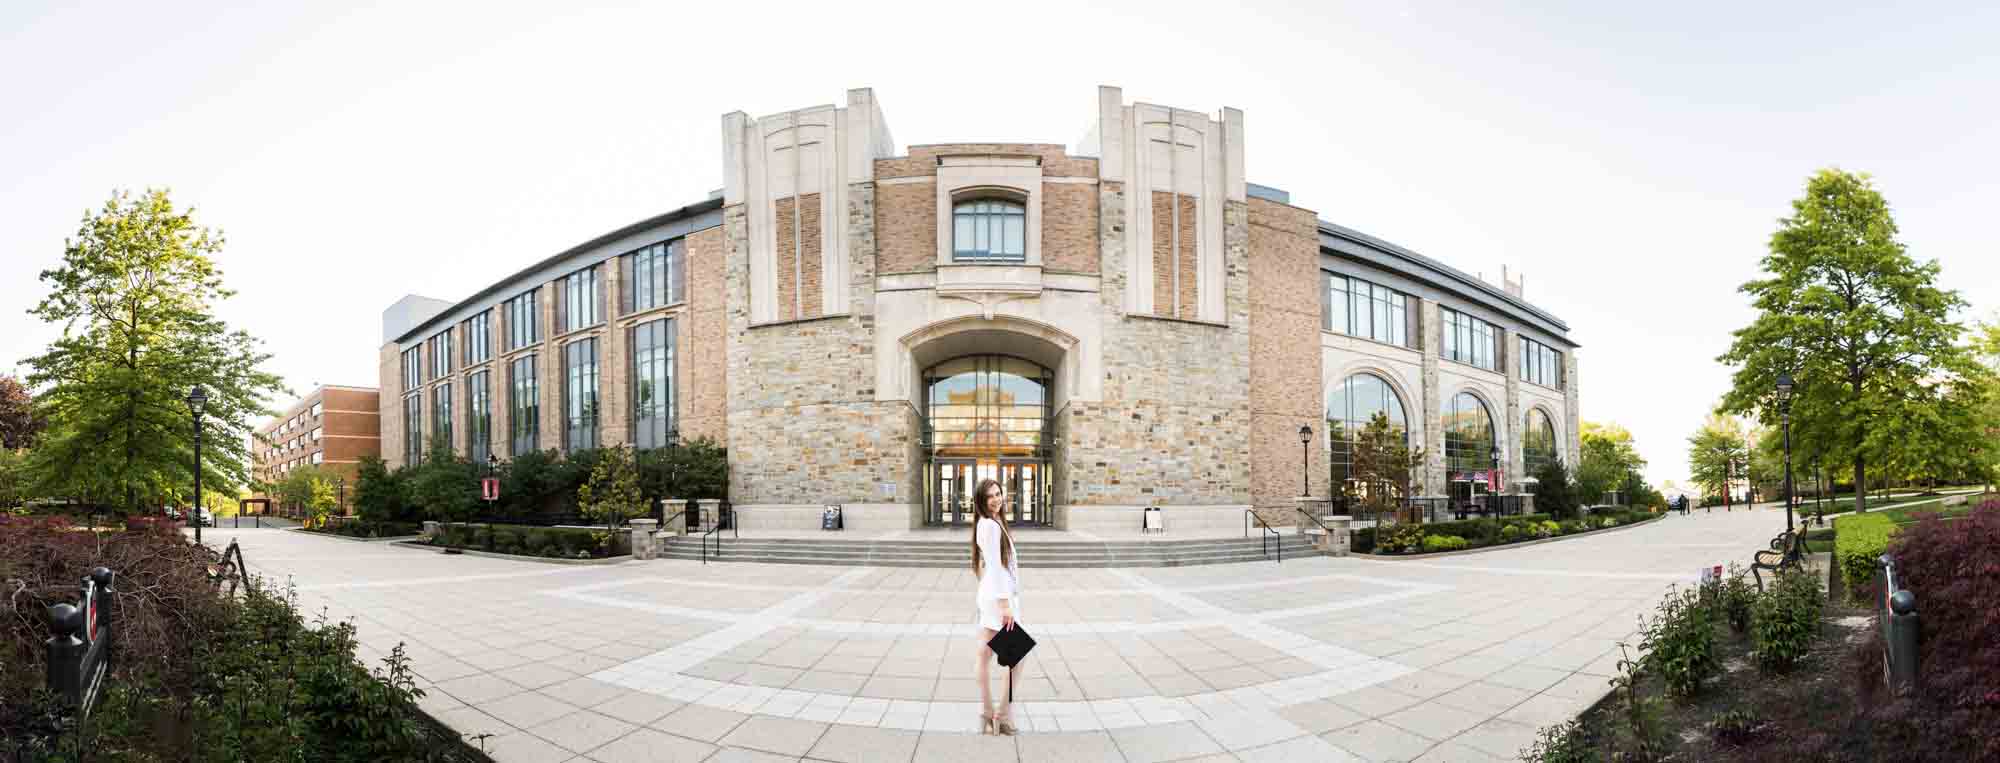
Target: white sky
{"type": "Point", "coordinates": [1630, 160]}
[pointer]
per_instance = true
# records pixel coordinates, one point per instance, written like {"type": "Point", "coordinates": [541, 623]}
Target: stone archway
{"type": "Point", "coordinates": [950, 458]}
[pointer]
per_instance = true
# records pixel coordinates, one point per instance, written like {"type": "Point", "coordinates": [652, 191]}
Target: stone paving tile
{"type": "Point", "coordinates": [523, 747]}
{"type": "Point", "coordinates": [1378, 741]}
{"type": "Point", "coordinates": [699, 722]}
{"type": "Point", "coordinates": [784, 736]}
{"type": "Point", "coordinates": [1297, 750]}
{"type": "Point", "coordinates": [650, 746]}
{"type": "Point", "coordinates": [1454, 751]}
{"type": "Point", "coordinates": [1088, 747]}
{"type": "Point", "coordinates": [1505, 641]}
{"type": "Point", "coordinates": [967, 748]}
{"type": "Point", "coordinates": [581, 731]}
{"type": "Point", "coordinates": [526, 709]}
{"type": "Point", "coordinates": [855, 744]}
{"type": "Point", "coordinates": [1150, 744]}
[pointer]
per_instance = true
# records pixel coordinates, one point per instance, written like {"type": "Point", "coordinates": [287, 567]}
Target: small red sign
{"type": "Point", "coordinates": [1493, 481]}
{"type": "Point", "coordinates": [90, 612]}
{"type": "Point", "coordinates": [489, 488]}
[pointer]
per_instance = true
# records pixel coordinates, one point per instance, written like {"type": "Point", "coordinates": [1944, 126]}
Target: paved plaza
{"type": "Point", "coordinates": [1316, 659]}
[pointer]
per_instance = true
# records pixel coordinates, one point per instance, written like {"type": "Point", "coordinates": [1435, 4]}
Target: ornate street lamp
{"type": "Point", "coordinates": [1785, 411]}
{"type": "Point", "coordinates": [1305, 459]}
{"type": "Point", "coordinates": [197, 401]}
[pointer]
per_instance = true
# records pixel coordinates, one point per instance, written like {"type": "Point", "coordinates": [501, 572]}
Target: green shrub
{"type": "Point", "coordinates": [1405, 538]}
{"type": "Point", "coordinates": [1679, 642]}
{"type": "Point", "coordinates": [1510, 533]}
{"type": "Point", "coordinates": [1547, 529]}
{"type": "Point", "coordinates": [482, 537]}
{"type": "Point", "coordinates": [1573, 526]}
{"type": "Point", "coordinates": [1443, 543]}
{"type": "Point", "coordinates": [506, 540]}
{"type": "Point", "coordinates": [1858, 544]}
{"type": "Point", "coordinates": [535, 541]}
{"type": "Point", "coordinates": [1565, 742]}
{"type": "Point", "coordinates": [1736, 597]}
{"type": "Point", "coordinates": [1784, 620]}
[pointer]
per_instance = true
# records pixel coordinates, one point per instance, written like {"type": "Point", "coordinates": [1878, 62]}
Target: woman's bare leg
{"type": "Point", "coordinates": [984, 655]}
{"type": "Point", "coordinates": [1006, 711]}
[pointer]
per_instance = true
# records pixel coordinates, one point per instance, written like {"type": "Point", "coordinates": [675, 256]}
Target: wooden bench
{"type": "Point", "coordinates": [1787, 552]}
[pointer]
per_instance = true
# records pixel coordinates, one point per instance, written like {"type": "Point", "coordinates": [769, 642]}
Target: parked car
{"type": "Point", "coordinates": [207, 517]}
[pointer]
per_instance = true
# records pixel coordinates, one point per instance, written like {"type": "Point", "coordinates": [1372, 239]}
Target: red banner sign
{"type": "Point", "coordinates": [489, 488]}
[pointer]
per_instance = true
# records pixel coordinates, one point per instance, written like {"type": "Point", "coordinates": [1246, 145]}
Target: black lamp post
{"type": "Point", "coordinates": [340, 489]}
{"type": "Point", "coordinates": [197, 400]}
{"type": "Point", "coordinates": [1493, 476]}
{"type": "Point", "coordinates": [1785, 411]}
{"type": "Point", "coordinates": [1305, 459]}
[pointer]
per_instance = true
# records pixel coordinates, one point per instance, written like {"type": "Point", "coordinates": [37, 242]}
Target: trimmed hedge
{"type": "Point", "coordinates": [1858, 543]}
{"type": "Point", "coordinates": [1481, 532]}
{"type": "Point", "coordinates": [525, 540]}
{"type": "Point", "coordinates": [356, 528]}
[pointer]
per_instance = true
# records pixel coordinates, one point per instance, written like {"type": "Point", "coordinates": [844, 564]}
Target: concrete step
{"type": "Point", "coordinates": [940, 554]}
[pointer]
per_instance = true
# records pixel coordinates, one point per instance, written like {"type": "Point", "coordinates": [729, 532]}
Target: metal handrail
{"type": "Point", "coordinates": [1267, 537]}
{"type": "Point", "coordinates": [718, 543]}
{"type": "Point", "coordinates": [1315, 520]}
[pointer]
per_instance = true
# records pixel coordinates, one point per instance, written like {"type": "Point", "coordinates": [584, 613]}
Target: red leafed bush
{"type": "Point", "coordinates": [1953, 567]}
{"type": "Point", "coordinates": [163, 600]}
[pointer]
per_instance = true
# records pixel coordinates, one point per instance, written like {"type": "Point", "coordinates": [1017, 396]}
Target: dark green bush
{"type": "Point", "coordinates": [1679, 642]}
{"type": "Point", "coordinates": [1402, 539]}
{"type": "Point", "coordinates": [1785, 619]}
{"type": "Point", "coordinates": [1737, 597]}
{"type": "Point", "coordinates": [535, 541]}
{"type": "Point", "coordinates": [1362, 541]}
{"type": "Point", "coordinates": [1565, 742]}
{"type": "Point", "coordinates": [506, 540]}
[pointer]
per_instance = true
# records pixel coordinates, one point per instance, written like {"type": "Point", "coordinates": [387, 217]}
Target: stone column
{"type": "Point", "coordinates": [1339, 536]}
{"type": "Point", "coordinates": [676, 516]}
{"type": "Point", "coordinates": [645, 543]}
{"type": "Point", "coordinates": [1511, 433]}
{"type": "Point", "coordinates": [1432, 331]}
{"type": "Point", "coordinates": [1572, 429]}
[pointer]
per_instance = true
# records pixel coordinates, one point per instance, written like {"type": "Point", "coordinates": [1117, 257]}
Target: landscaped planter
{"type": "Point", "coordinates": [1514, 544]}
{"type": "Point", "coordinates": [557, 543]}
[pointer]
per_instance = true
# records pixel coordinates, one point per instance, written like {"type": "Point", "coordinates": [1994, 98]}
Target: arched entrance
{"type": "Point", "coordinates": [987, 417]}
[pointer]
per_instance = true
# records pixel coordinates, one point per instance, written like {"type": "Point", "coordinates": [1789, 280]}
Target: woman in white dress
{"type": "Point", "coordinates": [998, 599]}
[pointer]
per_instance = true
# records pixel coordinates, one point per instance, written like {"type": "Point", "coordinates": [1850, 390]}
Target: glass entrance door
{"type": "Point", "coordinates": [1025, 501]}
{"type": "Point", "coordinates": [951, 492]}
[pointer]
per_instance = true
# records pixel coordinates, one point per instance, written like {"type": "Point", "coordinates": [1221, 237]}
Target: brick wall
{"type": "Point", "coordinates": [1285, 388]}
{"type": "Point", "coordinates": [702, 355]}
{"type": "Point", "coordinates": [1175, 297]}
{"type": "Point", "coordinates": [906, 226]}
{"type": "Point", "coordinates": [923, 159]}
{"type": "Point", "coordinates": [785, 273]}
{"type": "Point", "coordinates": [1069, 227]}
{"type": "Point", "coordinates": [809, 257]}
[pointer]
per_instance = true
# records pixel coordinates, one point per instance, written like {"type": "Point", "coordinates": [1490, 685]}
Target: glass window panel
{"type": "Point", "coordinates": [1015, 227]}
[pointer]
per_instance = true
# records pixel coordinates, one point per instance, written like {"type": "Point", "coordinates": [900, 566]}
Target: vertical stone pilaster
{"type": "Point", "coordinates": [1512, 428]}
{"type": "Point", "coordinates": [1432, 331]}
{"type": "Point", "coordinates": [1111, 246]}
{"type": "Point", "coordinates": [861, 249]}
{"type": "Point", "coordinates": [613, 382]}
{"type": "Point", "coordinates": [1572, 429]}
{"type": "Point", "coordinates": [549, 379]}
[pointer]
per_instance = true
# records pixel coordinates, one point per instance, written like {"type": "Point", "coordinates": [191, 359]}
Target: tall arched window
{"type": "Point", "coordinates": [1538, 442]}
{"type": "Point", "coordinates": [1468, 434]}
{"type": "Point", "coordinates": [1350, 405]}
{"type": "Point", "coordinates": [989, 230]}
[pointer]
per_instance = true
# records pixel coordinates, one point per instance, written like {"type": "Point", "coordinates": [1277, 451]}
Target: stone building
{"type": "Point", "coordinates": [1119, 324]}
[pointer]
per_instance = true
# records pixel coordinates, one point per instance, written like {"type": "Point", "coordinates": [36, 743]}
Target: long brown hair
{"type": "Point", "coordinates": [979, 498]}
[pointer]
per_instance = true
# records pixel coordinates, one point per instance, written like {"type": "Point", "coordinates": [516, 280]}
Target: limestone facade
{"type": "Point", "coordinates": [1181, 320]}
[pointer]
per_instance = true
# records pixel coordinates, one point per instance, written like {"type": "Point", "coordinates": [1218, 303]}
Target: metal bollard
{"type": "Point", "coordinates": [1902, 634]}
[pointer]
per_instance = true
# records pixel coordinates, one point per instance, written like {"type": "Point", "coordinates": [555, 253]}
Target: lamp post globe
{"type": "Point", "coordinates": [1785, 412]}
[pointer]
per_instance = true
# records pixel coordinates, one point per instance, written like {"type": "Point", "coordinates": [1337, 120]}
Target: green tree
{"type": "Point", "coordinates": [529, 482]}
{"type": "Point", "coordinates": [1986, 406]}
{"type": "Point", "coordinates": [444, 486]}
{"type": "Point", "coordinates": [1860, 325]}
{"type": "Point", "coordinates": [13, 480]}
{"type": "Point", "coordinates": [1608, 456]}
{"type": "Point", "coordinates": [1555, 494]}
{"type": "Point", "coordinates": [612, 492]}
{"type": "Point", "coordinates": [1380, 465]}
{"type": "Point", "coordinates": [19, 423]}
{"type": "Point", "coordinates": [379, 494]}
{"type": "Point", "coordinates": [1716, 455]}
{"type": "Point", "coordinates": [135, 296]}
{"type": "Point", "coordinates": [320, 501]}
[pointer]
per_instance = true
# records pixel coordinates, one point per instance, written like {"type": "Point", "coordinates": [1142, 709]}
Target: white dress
{"type": "Point", "coordinates": [996, 581]}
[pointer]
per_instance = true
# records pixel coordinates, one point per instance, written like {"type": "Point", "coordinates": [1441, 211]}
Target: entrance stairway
{"type": "Point", "coordinates": [956, 554]}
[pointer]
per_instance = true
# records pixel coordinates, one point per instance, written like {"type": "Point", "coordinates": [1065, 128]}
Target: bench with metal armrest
{"type": "Point", "coordinates": [1787, 552]}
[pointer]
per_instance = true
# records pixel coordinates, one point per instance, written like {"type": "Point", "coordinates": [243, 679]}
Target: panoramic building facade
{"type": "Point", "coordinates": [1122, 324]}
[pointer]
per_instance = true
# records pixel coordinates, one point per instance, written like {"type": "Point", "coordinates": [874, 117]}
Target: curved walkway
{"type": "Point", "coordinates": [1316, 659]}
